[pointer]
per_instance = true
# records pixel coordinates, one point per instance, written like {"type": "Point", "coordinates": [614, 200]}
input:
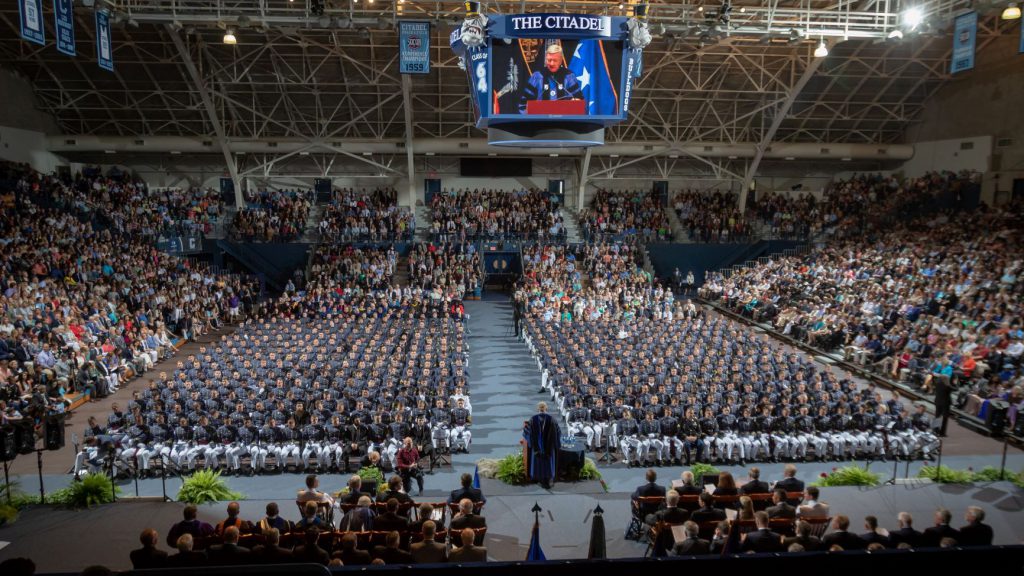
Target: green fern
{"type": "Point", "coordinates": [848, 476]}
{"type": "Point", "coordinates": [205, 486]}
{"type": "Point", "coordinates": [92, 490]}
{"type": "Point", "coordinates": [511, 470]}
{"type": "Point", "coordinates": [944, 475]}
{"type": "Point", "coordinates": [701, 469]}
{"type": "Point", "coordinates": [589, 471]}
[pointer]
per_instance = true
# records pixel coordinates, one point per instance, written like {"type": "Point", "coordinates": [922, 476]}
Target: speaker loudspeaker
{"type": "Point", "coordinates": [53, 432]}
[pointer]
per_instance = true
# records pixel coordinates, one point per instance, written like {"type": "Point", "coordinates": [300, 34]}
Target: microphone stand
{"type": "Point", "coordinates": [39, 463]}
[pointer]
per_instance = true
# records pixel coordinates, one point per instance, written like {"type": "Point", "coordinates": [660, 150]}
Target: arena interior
{"type": "Point", "coordinates": [682, 269]}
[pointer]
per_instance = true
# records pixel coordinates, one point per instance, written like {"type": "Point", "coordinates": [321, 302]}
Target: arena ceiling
{"type": "Point", "coordinates": [333, 77]}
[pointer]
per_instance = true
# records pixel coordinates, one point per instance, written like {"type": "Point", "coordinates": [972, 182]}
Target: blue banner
{"type": "Point", "coordinates": [414, 47]}
{"type": "Point", "coordinates": [64, 23]}
{"type": "Point", "coordinates": [590, 65]}
{"type": "Point", "coordinates": [31, 12]}
{"type": "Point", "coordinates": [1022, 35]}
{"type": "Point", "coordinates": [104, 49]}
{"type": "Point", "coordinates": [965, 32]}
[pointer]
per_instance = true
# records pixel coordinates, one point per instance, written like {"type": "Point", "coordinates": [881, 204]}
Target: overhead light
{"type": "Point", "coordinates": [912, 17]}
{"type": "Point", "coordinates": [700, 8]}
{"type": "Point", "coordinates": [110, 152]}
{"type": "Point", "coordinates": [621, 6]}
{"type": "Point", "coordinates": [846, 159]}
{"type": "Point", "coordinates": [821, 51]}
{"type": "Point", "coordinates": [364, 33]}
{"type": "Point", "coordinates": [303, 153]}
{"type": "Point", "coordinates": [553, 155]}
{"type": "Point", "coordinates": [896, 34]}
{"type": "Point", "coordinates": [175, 152]}
{"type": "Point", "coordinates": [795, 36]}
{"type": "Point", "coordinates": [428, 153]}
{"type": "Point", "coordinates": [492, 153]}
{"type": "Point", "coordinates": [243, 21]}
{"type": "Point", "coordinates": [1012, 12]}
{"type": "Point", "coordinates": [743, 9]}
{"type": "Point", "coordinates": [673, 156]}
{"type": "Point", "coordinates": [733, 157]}
{"type": "Point", "coordinates": [790, 158]}
{"type": "Point", "coordinates": [229, 37]}
{"type": "Point", "coordinates": [367, 153]}
{"type": "Point", "coordinates": [133, 23]}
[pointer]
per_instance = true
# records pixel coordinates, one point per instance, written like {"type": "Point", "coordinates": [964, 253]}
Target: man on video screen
{"type": "Point", "coordinates": [553, 82]}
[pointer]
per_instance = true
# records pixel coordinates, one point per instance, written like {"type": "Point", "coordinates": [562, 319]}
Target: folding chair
{"type": "Point", "coordinates": [641, 507]}
{"type": "Point", "coordinates": [818, 525]}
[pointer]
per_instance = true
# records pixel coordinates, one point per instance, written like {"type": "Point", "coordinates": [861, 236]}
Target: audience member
{"type": "Point", "coordinates": [428, 551]}
{"type": "Point", "coordinates": [762, 539]}
{"type": "Point", "coordinates": [466, 518]}
{"type": "Point", "coordinates": [811, 507]}
{"type": "Point", "coordinates": [692, 545]}
{"type": "Point", "coordinates": [468, 552]}
{"type": "Point", "coordinates": [780, 508]}
{"type": "Point", "coordinates": [229, 553]}
{"type": "Point", "coordinates": [803, 538]}
{"type": "Point", "coordinates": [351, 555]}
{"type": "Point", "coordinates": [310, 550]}
{"type": "Point", "coordinates": [270, 552]}
{"type": "Point", "coordinates": [905, 534]}
{"type": "Point", "coordinates": [190, 525]}
{"type": "Point", "coordinates": [755, 485]}
{"type": "Point", "coordinates": [976, 532]}
{"type": "Point", "coordinates": [148, 556]}
{"type": "Point", "coordinates": [841, 537]}
{"type": "Point", "coordinates": [390, 553]}
{"type": "Point", "coordinates": [932, 536]}
{"type": "Point", "coordinates": [467, 491]}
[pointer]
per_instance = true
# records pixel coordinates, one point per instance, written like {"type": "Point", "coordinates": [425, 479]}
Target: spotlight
{"type": "Point", "coordinates": [821, 51]}
{"type": "Point", "coordinates": [896, 34]}
{"type": "Point", "coordinates": [243, 21]}
{"type": "Point", "coordinates": [700, 8]}
{"type": "Point", "coordinates": [229, 37]}
{"type": "Point", "coordinates": [1012, 12]}
{"type": "Point", "coordinates": [912, 17]}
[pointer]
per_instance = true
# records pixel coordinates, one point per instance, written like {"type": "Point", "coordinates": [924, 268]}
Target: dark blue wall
{"type": "Point", "coordinates": [702, 257]}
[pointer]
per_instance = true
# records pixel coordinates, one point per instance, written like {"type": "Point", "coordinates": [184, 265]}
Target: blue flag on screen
{"type": "Point", "coordinates": [104, 50]}
{"type": "Point", "coordinates": [64, 23]}
{"type": "Point", "coordinates": [535, 553]}
{"type": "Point", "coordinates": [31, 14]}
{"type": "Point", "coordinates": [590, 65]}
{"type": "Point", "coordinates": [476, 477]}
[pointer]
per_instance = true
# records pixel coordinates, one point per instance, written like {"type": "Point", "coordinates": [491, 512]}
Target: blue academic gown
{"type": "Point", "coordinates": [543, 441]}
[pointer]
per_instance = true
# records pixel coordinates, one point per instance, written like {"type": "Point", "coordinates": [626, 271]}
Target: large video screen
{"type": "Point", "coordinates": [563, 78]}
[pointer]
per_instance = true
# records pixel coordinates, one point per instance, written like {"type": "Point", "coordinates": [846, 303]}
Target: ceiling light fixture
{"type": "Point", "coordinates": [1012, 12]}
{"type": "Point", "coordinates": [822, 50]}
{"type": "Point", "coordinates": [912, 17]}
{"type": "Point", "coordinates": [896, 34]}
{"type": "Point", "coordinates": [229, 37]}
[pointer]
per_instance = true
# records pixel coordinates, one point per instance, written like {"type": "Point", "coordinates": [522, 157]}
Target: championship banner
{"type": "Point", "coordinates": [965, 31]}
{"type": "Point", "coordinates": [64, 23]}
{"type": "Point", "coordinates": [31, 12]}
{"type": "Point", "coordinates": [414, 47]}
{"type": "Point", "coordinates": [104, 51]}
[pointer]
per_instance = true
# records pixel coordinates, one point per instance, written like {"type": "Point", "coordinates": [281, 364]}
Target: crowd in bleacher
{"type": "Point", "coordinates": [458, 216]}
{"type": "Point", "coordinates": [366, 215]}
{"type": "Point", "coordinates": [938, 296]}
{"type": "Point", "coordinates": [85, 304]}
{"type": "Point", "coordinates": [344, 266]}
{"type": "Point", "coordinates": [620, 214]}
{"type": "Point", "coordinates": [586, 283]}
{"type": "Point", "coordinates": [447, 269]}
{"type": "Point", "coordinates": [690, 518]}
{"type": "Point", "coordinates": [710, 216]}
{"type": "Point", "coordinates": [272, 216]}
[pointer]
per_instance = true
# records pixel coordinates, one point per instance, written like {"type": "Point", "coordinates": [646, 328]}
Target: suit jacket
{"type": "Point", "coordinates": [687, 490]}
{"type": "Point", "coordinates": [357, 520]}
{"type": "Point", "coordinates": [934, 535]}
{"type": "Point", "coordinates": [672, 515]}
{"type": "Point", "coordinates": [817, 510]}
{"type": "Point", "coordinates": [471, 521]}
{"type": "Point", "coordinates": [908, 535]}
{"type": "Point", "coordinates": [402, 497]}
{"type": "Point", "coordinates": [873, 537]}
{"type": "Point", "coordinates": [848, 540]}
{"type": "Point", "coordinates": [763, 540]}
{"type": "Point", "coordinates": [312, 554]}
{"type": "Point", "coordinates": [389, 521]}
{"type": "Point", "coordinates": [145, 557]}
{"type": "Point", "coordinates": [474, 494]}
{"type": "Point", "coordinates": [692, 547]}
{"type": "Point", "coordinates": [188, 560]}
{"type": "Point", "coordinates": [271, 554]}
{"type": "Point", "coordinates": [703, 515]}
{"type": "Point", "coordinates": [229, 555]}
{"type": "Point", "coordinates": [977, 534]}
{"type": "Point", "coordinates": [781, 510]}
{"type": "Point", "coordinates": [755, 487]}
{"type": "Point", "coordinates": [648, 489]}
{"type": "Point", "coordinates": [790, 485]}
{"type": "Point", "coordinates": [356, 557]}
{"type": "Point", "coordinates": [810, 543]}
{"type": "Point", "coordinates": [353, 497]}
{"type": "Point", "coordinates": [468, 554]}
{"type": "Point", "coordinates": [393, 555]}
{"type": "Point", "coordinates": [429, 552]}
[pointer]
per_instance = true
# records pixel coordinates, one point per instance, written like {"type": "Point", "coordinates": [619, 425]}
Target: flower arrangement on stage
{"type": "Point", "coordinates": [701, 469]}
{"type": "Point", "coordinates": [91, 490]}
{"type": "Point", "coordinates": [511, 470]}
{"type": "Point", "coordinates": [369, 474]}
{"type": "Point", "coordinates": [848, 476]}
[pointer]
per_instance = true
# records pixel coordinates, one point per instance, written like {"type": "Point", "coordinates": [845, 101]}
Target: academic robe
{"type": "Point", "coordinates": [543, 439]}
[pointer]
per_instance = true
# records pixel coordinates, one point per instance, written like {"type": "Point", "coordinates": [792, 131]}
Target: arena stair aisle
{"type": "Point", "coordinates": [504, 381]}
